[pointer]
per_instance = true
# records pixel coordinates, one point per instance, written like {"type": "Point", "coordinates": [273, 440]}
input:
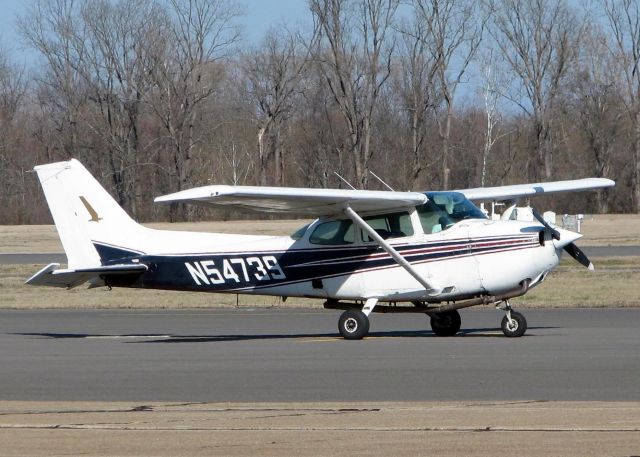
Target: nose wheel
{"type": "Point", "coordinates": [514, 325]}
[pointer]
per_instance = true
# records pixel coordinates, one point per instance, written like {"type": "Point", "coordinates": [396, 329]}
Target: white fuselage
{"type": "Point", "coordinates": [471, 258]}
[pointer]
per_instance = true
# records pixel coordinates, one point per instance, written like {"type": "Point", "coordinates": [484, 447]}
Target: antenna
{"type": "Point", "coordinates": [380, 179]}
{"type": "Point", "coordinates": [344, 180]}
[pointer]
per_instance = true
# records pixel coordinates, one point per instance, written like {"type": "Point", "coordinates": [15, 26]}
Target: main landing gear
{"type": "Point", "coordinates": [354, 323]}
{"type": "Point", "coordinates": [446, 324]}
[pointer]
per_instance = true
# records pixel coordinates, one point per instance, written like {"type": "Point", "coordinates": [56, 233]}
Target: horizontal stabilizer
{"type": "Point", "coordinates": [52, 277]}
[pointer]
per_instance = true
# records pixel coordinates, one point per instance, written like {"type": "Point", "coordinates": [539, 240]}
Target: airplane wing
{"type": "Point", "coordinates": [299, 201]}
{"type": "Point", "coordinates": [503, 193]}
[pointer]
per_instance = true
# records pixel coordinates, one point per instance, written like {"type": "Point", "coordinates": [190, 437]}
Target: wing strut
{"type": "Point", "coordinates": [431, 288]}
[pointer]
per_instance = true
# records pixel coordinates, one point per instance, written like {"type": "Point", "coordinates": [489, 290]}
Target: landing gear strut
{"type": "Point", "coordinates": [513, 324]}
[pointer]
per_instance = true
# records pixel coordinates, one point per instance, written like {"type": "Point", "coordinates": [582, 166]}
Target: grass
{"type": "Point", "coordinates": [44, 238]}
{"type": "Point", "coordinates": [613, 284]}
{"type": "Point", "coordinates": [598, 230]}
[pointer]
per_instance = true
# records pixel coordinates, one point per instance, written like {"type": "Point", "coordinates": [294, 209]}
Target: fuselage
{"type": "Point", "coordinates": [469, 258]}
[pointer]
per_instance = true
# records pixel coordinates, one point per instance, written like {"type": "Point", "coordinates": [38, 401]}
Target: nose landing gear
{"type": "Point", "coordinates": [513, 324]}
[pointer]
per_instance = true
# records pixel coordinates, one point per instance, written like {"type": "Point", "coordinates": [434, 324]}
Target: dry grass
{"type": "Point", "coordinates": [15, 295]}
{"type": "Point", "coordinates": [610, 230]}
{"type": "Point", "coordinates": [612, 284]}
{"type": "Point", "coordinates": [598, 230]}
{"type": "Point", "coordinates": [44, 238]}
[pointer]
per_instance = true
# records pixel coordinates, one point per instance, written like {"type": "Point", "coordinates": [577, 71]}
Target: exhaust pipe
{"type": "Point", "coordinates": [483, 300]}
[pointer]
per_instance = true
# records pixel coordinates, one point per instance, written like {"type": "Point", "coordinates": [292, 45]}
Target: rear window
{"type": "Point", "coordinates": [333, 233]}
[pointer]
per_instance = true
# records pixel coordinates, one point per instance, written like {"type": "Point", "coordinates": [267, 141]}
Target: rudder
{"type": "Point", "coordinates": [84, 213]}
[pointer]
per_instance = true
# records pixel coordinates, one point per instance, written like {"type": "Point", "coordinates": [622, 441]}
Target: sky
{"type": "Point", "coordinates": [260, 16]}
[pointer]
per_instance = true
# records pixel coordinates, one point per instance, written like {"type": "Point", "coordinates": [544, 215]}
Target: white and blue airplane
{"type": "Point", "coordinates": [369, 251]}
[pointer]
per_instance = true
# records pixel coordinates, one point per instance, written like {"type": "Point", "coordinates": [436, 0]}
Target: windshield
{"type": "Point", "coordinates": [445, 209]}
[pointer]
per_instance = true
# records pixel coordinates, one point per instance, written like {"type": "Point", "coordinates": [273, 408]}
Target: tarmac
{"type": "Point", "coordinates": [320, 429]}
{"type": "Point", "coordinates": [281, 382]}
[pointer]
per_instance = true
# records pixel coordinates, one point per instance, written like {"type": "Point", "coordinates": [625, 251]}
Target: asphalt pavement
{"type": "Point", "coordinates": [295, 355]}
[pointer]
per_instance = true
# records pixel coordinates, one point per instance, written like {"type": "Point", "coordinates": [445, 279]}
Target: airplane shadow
{"type": "Point", "coordinates": [157, 338]}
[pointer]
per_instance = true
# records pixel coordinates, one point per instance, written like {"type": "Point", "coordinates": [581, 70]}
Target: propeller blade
{"type": "Point", "coordinates": [554, 233]}
{"type": "Point", "coordinates": [575, 252]}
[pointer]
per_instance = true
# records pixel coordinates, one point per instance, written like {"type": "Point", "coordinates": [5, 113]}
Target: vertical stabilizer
{"type": "Point", "coordinates": [84, 213]}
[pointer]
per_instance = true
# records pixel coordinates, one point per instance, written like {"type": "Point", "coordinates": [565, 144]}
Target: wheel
{"type": "Point", "coordinates": [516, 327]}
{"type": "Point", "coordinates": [353, 324]}
{"type": "Point", "coordinates": [446, 324]}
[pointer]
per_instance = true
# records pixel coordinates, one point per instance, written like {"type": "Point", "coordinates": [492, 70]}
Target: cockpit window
{"type": "Point", "coordinates": [333, 233]}
{"type": "Point", "coordinates": [394, 225]}
{"type": "Point", "coordinates": [445, 209]}
{"type": "Point", "coordinates": [298, 234]}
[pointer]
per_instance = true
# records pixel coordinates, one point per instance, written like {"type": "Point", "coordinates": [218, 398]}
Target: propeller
{"type": "Point", "coordinates": [570, 248]}
{"type": "Point", "coordinates": [553, 232]}
{"type": "Point", "coordinates": [577, 253]}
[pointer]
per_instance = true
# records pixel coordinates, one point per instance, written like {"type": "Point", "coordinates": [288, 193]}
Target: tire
{"type": "Point", "coordinates": [353, 324]}
{"type": "Point", "coordinates": [519, 326]}
{"type": "Point", "coordinates": [446, 324]}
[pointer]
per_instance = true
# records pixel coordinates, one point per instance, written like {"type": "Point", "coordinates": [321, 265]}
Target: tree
{"type": "Point", "coordinates": [273, 73]}
{"type": "Point", "coordinates": [52, 28]}
{"type": "Point", "coordinates": [594, 102]}
{"type": "Point", "coordinates": [539, 40]}
{"type": "Point", "coordinates": [186, 74]}
{"type": "Point", "coordinates": [623, 20]}
{"type": "Point", "coordinates": [117, 61]}
{"type": "Point", "coordinates": [356, 67]}
{"type": "Point", "coordinates": [416, 80]}
{"type": "Point", "coordinates": [455, 32]}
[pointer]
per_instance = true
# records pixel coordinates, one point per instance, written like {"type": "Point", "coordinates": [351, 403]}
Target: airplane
{"type": "Point", "coordinates": [431, 253]}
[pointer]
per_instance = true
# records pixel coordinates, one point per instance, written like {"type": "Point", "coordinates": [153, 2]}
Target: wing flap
{"type": "Point", "coordinates": [502, 193]}
{"type": "Point", "coordinates": [51, 276]}
{"type": "Point", "coordinates": [300, 201]}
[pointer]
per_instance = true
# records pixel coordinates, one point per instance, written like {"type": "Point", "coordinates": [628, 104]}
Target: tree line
{"type": "Point", "coordinates": [156, 96]}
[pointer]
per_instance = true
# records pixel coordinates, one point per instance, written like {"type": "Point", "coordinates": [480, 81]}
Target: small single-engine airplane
{"type": "Point", "coordinates": [434, 251]}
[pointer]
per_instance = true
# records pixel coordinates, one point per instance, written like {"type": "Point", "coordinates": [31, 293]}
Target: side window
{"type": "Point", "coordinates": [433, 219]}
{"type": "Point", "coordinates": [333, 233]}
{"type": "Point", "coordinates": [394, 225]}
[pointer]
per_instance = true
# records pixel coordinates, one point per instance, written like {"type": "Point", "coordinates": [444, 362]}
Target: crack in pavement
{"type": "Point", "coordinates": [130, 427]}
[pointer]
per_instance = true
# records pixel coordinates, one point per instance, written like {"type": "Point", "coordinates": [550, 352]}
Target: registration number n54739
{"type": "Point", "coordinates": [235, 270]}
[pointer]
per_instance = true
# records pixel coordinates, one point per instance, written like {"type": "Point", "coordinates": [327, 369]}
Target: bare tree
{"type": "Point", "coordinates": [416, 79]}
{"type": "Point", "coordinates": [623, 19]}
{"type": "Point", "coordinates": [492, 83]}
{"type": "Point", "coordinates": [187, 73]}
{"type": "Point", "coordinates": [117, 63]}
{"type": "Point", "coordinates": [273, 74]}
{"type": "Point", "coordinates": [13, 164]}
{"type": "Point", "coordinates": [539, 40]}
{"type": "Point", "coordinates": [455, 32]}
{"type": "Point", "coordinates": [594, 101]}
{"type": "Point", "coordinates": [356, 65]}
{"type": "Point", "coordinates": [52, 28]}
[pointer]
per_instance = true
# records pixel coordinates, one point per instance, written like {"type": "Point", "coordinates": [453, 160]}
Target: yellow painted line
{"type": "Point", "coordinates": [319, 340]}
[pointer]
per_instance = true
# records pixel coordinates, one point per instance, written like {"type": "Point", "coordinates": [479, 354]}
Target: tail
{"type": "Point", "coordinates": [92, 226]}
